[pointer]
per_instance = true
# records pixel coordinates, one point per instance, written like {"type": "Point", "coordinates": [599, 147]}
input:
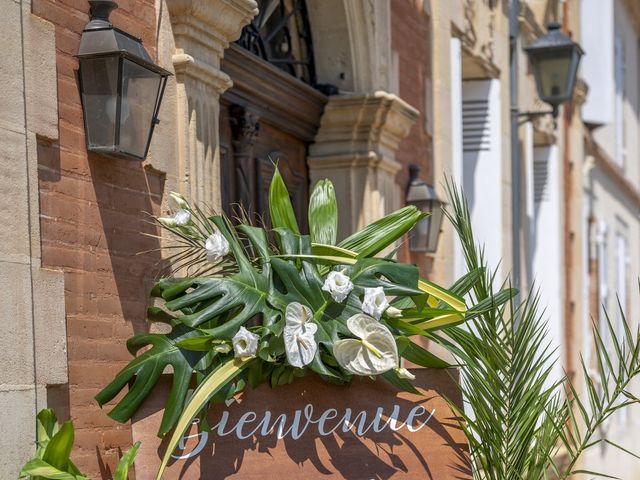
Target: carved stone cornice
{"type": "Point", "coordinates": [184, 64]}
{"type": "Point", "coordinates": [244, 128]}
{"type": "Point", "coordinates": [204, 28]}
{"type": "Point", "coordinates": [362, 128]}
{"type": "Point", "coordinates": [529, 26]}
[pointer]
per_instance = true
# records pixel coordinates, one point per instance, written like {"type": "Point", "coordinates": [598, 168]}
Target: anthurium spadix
{"type": "Point", "coordinates": [373, 353]}
{"type": "Point", "coordinates": [299, 335]}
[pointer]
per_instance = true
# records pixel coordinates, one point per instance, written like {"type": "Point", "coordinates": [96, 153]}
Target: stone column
{"type": "Point", "coordinates": [202, 30]}
{"type": "Point", "coordinates": [355, 148]}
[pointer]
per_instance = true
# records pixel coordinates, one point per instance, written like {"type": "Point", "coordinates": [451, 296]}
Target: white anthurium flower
{"type": "Point", "coordinates": [168, 222]}
{"type": "Point", "coordinates": [375, 302]}
{"type": "Point", "coordinates": [338, 285]}
{"type": "Point", "coordinates": [299, 335]}
{"type": "Point", "coordinates": [216, 247]}
{"type": "Point", "coordinates": [245, 343]}
{"type": "Point", "coordinates": [393, 312]}
{"type": "Point", "coordinates": [404, 373]}
{"type": "Point", "coordinates": [182, 217]}
{"type": "Point", "coordinates": [374, 353]}
{"type": "Point", "coordinates": [180, 200]}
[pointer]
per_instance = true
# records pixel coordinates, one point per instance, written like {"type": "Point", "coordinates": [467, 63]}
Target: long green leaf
{"type": "Point", "coordinates": [207, 389]}
{"type": "Point", "coordinates": [41, 469]}
{"type": "Point", "coordinates": [122, 469]}
{"type": "Point", "coordinates": [59, 447]}
{"type": "Point", "coordinates": [280, 207]}
{"type": "Point", "coordinates": [323, 213]}
{"type": "Point", "coordinates": [382, 233]}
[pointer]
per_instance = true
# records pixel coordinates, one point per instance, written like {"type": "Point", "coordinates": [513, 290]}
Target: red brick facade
{"type": "Point", "coordinates": [92, 222]}
{"type": "Point", "coordinates": [410, 40]}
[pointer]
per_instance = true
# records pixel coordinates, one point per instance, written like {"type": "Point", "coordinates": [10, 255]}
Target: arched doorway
{"type": "Point", "coordinates": [272, 112]}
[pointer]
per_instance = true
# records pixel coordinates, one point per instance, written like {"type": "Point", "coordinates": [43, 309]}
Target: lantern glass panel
{"type": "Point", "coordinates": [140, 89]}
{"type": "Point", "coordinates": [420, 235]}
{"type": "Point", "coordinates": [436, 217]}
{"type": "Point", "coordinates": [99, 77]}
{"type": "Point", "coordinates": [553, 71]}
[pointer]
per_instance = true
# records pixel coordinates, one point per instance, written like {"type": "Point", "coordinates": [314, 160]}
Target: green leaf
{"type": "Point", "coordinates": [214, 382]}
{"type": "Point", "coordinates": [382, 233]}
{"type": "Point", "coordinates": [145, 371]}
{"type": "Point", "coordinates": [282, 214]}
{"type": "Point", "coordinates": [323, 213]}
{"type": "Point", "coordinates": [41, 469]}
{"type": "Point", "coordinates": [418, 355]}
{"type": "Point", "coordinates": [122, 469]}
{"type": "Point", "coordinates": [59, 447]}
{"type": "Point", "coordinates": [395, 278]}
{"type": "Point", "coordinates": [244, 293]}
{"type": "Point", "coordinates": [47, 427]}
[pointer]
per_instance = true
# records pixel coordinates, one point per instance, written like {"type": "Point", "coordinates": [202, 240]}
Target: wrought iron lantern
{"type": "Point", "coordinates": [424, 237]}
{"type": "Point", "coordinates": [120, 86]}
{"type": "Point", "coordinates": [554, 58]}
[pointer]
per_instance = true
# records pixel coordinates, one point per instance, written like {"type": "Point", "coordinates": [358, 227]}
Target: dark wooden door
{"type": "Point", "coordinates": [268, 117]}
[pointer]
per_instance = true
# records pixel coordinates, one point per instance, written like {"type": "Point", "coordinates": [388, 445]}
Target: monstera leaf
{"type": "Point", "coordinates": [145, 370]}
{"type": "Point", "coordinates": [206, 298]}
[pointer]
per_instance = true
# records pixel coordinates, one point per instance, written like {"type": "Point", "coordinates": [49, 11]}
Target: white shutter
{"type": "Point", "coordinates": [456, 139]}
{"type": "Point", "coordinates": [547, 254]}
{"type": "Point", "coordinates": [482, 163]}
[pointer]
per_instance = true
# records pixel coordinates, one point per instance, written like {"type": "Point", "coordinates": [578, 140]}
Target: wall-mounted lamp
{"type": "Point", "coordinates": [554, 58]}
{"type": "Point", "coordinates": [120, 86]}
{"type": "Point", "coordinates": [425, 235]}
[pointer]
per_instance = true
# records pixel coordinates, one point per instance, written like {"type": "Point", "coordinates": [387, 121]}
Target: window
{"type": "Point", "coordinates": [280, 34]}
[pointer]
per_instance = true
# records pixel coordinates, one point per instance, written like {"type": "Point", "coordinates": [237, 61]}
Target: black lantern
{"type": "Point", "coordinates": [120, 86]}
{"type": "Point", "coordinates": [554, 58]}
{"type": "Point", "coordinates": [424, 236]}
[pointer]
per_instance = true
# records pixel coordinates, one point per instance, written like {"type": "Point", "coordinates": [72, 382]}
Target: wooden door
{"type": "Point", "coordinates": [268, 117]}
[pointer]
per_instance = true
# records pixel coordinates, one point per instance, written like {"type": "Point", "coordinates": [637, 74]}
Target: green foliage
{"type": "Point", "coordinates": [520, 419]}
{"type": "Point", "coordinates": [54, 445]}
{"type": "Point", "coordinates": [323, 213]}
{"type": "Point", "coordinates": [251, 279]}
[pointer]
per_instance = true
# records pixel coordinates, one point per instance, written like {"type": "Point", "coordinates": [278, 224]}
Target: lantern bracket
{"type": "Point", "coordinates": [528, 116]}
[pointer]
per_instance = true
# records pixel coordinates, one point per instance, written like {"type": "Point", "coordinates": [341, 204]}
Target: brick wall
{"type": "Point", "coordinates": [410, 39]}
{"type": "Point", "coordinates": [93, 219]}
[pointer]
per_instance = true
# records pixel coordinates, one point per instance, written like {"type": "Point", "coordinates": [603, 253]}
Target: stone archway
{"type": "Point", "coordinates": [363, 125]}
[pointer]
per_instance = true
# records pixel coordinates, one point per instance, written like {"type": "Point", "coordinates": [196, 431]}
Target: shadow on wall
{"type": "Point", "coordinates": [128, 195]}
{"type": "Point", "coordinates": [96, 225]}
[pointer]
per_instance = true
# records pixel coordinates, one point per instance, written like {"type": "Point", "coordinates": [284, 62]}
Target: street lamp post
{"type": "Point", "coordinates": [554, 58]}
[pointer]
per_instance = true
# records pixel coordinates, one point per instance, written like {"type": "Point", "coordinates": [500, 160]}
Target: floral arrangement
{"type": "Point", "coordinates": [261, 304]}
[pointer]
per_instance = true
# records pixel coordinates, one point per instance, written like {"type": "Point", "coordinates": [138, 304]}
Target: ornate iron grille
{"type": "Point", "coordinates": [280, 34]}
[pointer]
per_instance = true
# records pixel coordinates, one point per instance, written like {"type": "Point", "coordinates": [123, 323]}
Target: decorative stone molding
{"type": "Point", "coordinates": [478, 38]}
{"type": "Point", "coordinates": [209, 25]}
{"type": "Point", "coordinates": [202, 30]}
{"type": "Point", "coordinates": [355, 147]}
{"type": "Point", "coordinates": [244, 130]}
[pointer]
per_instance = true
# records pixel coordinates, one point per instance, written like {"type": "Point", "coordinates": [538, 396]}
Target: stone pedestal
{"type": "Point", "coordinates": [355, 148]}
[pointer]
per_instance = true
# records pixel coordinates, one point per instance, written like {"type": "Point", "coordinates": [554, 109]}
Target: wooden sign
{"type": "Point", "coordinates": [314, 430]}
